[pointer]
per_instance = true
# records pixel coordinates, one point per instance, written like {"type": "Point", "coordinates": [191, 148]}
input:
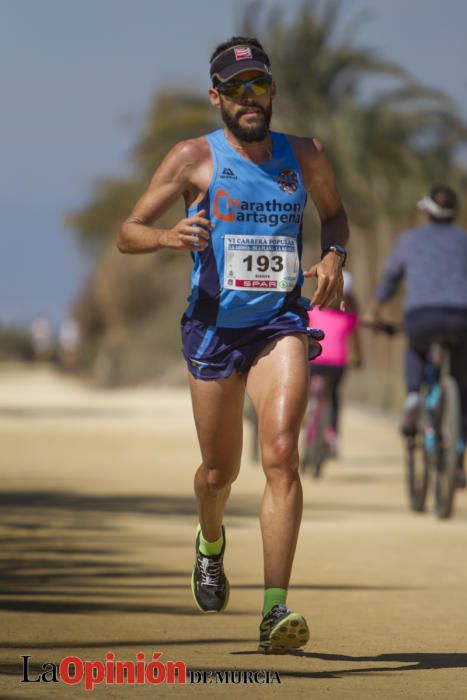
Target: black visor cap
{"type": "Point", "coordinates": [237, 59]}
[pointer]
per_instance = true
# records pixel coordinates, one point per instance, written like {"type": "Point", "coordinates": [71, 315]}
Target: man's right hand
{"type": "Point", "coordinates": [191, 233]}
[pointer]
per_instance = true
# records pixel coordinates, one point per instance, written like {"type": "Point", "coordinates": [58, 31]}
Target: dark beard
{"type": "Point", "coordinates": [252, 134]}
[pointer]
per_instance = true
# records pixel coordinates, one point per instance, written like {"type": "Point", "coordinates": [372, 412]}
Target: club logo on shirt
{"type": "Point", "coordinates": [288, 180]}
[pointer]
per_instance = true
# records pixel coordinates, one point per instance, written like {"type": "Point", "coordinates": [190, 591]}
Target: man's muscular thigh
{"type": "Point", "coordinates": [278, 385]}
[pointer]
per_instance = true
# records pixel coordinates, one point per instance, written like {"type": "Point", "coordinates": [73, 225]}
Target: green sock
{"type": "Point", "coordinates": [209, 548]}
{"type": "Point", "coordinates": [272, 597]}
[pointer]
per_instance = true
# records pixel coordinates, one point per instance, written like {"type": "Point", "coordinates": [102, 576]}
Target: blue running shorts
{"type": "Point", "coordinates": [214, 353]}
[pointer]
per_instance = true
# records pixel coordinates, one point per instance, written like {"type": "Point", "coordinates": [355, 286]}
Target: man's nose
{"type": "Point", "coordinates": [248, 94]}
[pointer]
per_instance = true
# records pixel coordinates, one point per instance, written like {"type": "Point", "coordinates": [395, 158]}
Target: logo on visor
{"type": "Point", "coordinates": [242, 52]}
{"type": "Point", "coordinates": [288, 180]}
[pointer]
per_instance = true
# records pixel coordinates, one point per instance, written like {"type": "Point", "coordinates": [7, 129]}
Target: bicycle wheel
{"type": "Point", "coordinates": [316, 452]}
{"type": "Point", "coordinates": [448, 431]}
{"type": "Point", "coordinates": [418, 470]}
{"type": "Point", "coordinates": [318, 456]}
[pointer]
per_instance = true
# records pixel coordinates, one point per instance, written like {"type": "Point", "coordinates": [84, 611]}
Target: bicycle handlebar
{"type": "Point", "coordinates": [387, 327]}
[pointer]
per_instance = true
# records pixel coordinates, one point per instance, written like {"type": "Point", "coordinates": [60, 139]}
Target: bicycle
{"type": "Point", "coordinates": [249, 414]}
{"type": "Point", "coordinates": [316, 449]}
{"type": "Point", "coordinates": [433, 446]}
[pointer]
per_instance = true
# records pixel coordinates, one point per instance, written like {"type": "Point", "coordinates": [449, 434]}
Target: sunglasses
{"type": "Point", "coordinates": [236, 89]}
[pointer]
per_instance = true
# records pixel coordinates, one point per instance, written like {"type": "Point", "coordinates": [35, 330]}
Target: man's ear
{"type": "Point", "coordinates": [214, 97]}
{"type": "Point", "coordinates": [273, 89]}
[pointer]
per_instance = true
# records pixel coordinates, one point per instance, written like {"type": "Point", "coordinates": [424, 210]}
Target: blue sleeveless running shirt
{"type": "Point", "coordinates": [250, 272]}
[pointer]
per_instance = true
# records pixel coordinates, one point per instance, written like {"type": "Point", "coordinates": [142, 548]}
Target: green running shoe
{"type": "Point", "coordinates": [209, 583]}
{"type": "Point", "coordinates": [282, 630]}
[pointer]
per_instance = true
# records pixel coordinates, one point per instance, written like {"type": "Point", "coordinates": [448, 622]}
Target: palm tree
{"type": "Point", "coordinates": [375, 144]}
{"type": "Point", "coordinates": [135, 295]}
{"type": "Point", "coordinates": [172, 117]}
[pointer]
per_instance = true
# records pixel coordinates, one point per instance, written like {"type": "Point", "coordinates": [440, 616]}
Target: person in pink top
{"type": "Point", "coordinates": [327, 371]}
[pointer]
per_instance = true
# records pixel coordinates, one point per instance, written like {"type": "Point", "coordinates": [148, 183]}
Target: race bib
{"type": "Point", "coordinates": [254, 263]}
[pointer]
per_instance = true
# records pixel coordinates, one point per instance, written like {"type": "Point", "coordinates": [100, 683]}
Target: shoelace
{"type": "Point", "coordinates": [211, 571]}
{"type": "Point", "coordinates": [275, 614]}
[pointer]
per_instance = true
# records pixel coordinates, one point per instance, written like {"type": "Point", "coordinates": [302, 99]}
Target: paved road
{"type": "Point", "coordinates": [97, 522]}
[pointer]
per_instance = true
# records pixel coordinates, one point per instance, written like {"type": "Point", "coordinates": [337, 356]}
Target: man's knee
{"type": "Point", "coordinates": [220, 478]}
{"type": "Point", "coordinates": [280, 454]}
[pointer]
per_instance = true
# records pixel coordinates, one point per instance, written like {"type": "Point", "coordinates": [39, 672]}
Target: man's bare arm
{"type": "Point", "coordinates": [174, 177]}
{"type": "Point", "coordinates": [323, 190]}
{"type": "Point", "coordinates": [318, 178]}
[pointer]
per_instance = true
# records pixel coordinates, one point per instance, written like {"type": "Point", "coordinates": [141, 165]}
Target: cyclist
{"type": "Point", "coordinates": [341, 334]}
{"type": "Point", "coordinates": [246, 325]}
{"type": "Point", "coordinates": [432, 260]}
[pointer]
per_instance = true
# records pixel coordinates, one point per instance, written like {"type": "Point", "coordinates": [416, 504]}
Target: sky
{"type": "Point", "coordinates": [76, 80]}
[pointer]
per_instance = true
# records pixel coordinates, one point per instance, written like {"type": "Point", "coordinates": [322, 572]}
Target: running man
{"type": "Point", "coordinates": [245, 328]}
{"type": "Point", "coordinates": [432, 260]}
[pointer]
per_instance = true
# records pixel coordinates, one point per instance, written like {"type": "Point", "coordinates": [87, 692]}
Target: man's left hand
{"type": "Point", "coordinates": [330, 281]}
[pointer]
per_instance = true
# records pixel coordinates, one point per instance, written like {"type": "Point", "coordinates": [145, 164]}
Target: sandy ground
{"type": "Point", "coordinates": [97, 523]}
